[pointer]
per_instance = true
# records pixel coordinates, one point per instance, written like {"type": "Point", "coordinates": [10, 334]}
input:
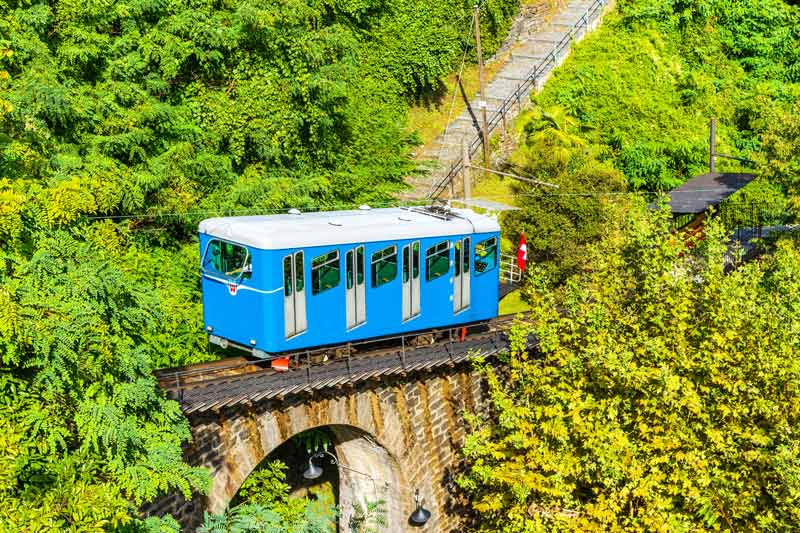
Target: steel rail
{"type": "Point", "coordinates": [218, 392]}
{"type": "Point", "coordinates": [239, 364]}
{"type": "Point", "coordinates": [257, 387]}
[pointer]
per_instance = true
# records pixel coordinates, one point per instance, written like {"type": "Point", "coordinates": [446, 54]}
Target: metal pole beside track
{"type": "Point", "coordinates": [180, 389]}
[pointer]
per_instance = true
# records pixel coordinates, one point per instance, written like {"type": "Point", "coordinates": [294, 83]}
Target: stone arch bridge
{"type": "Point", "coordinates": [398, 417]}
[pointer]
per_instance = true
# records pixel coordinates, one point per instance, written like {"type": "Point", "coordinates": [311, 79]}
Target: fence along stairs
{"type": "Point", "coordinates": [532, 61]}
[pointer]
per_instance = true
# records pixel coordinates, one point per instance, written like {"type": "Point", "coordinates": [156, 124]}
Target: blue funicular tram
{"type": "Point", "coordinates": [275, 284]}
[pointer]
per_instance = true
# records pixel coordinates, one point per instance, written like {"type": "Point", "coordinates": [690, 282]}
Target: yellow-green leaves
{"type": "Point", "coordinates": [662, 397]}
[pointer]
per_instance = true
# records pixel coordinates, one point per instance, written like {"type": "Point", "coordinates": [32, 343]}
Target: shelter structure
{"type": "Point", "coordinates": [701, 193]}
{"type": "Point", "coordinates": [691, 201]}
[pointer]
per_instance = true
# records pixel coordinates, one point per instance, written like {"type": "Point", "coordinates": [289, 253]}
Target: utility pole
{"type": "Point", "coordinates": [467, 179]}
{"type": "Point", "coordinates": [713, 154]}
{"type": "Point", "coordinates": [482, 103]}
{"type": "Point", "coordinates": [712, 159]}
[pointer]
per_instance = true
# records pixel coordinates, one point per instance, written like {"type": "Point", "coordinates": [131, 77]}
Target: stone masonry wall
{"type": "Point", "coordinates": [406, 432]}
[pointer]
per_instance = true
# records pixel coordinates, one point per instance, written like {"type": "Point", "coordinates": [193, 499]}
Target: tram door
{"type": "Point", "coordinates": [461, 278]}
{"type": "Point", "coordinates": [410, 281]}
{"type": "Point", "coordinates": [294, 295]}
{"type": "Point", "coordinates": [355, 290]}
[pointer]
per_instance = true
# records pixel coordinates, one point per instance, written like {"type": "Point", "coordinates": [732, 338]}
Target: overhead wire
{"type": "Point", "coordinates": [355, 206]}
{"type": "Point", "coordinates": [356, 211]}
{"type": "Point", "coordinates": [598, 193]}
{"type": "Point", "coordinates": [251, 211]}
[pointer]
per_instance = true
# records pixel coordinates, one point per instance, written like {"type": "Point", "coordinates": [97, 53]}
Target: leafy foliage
{"type": "Point", "coordinates": [368, 518]}
{"type": "Point", "coordinates": [265, 505]}
{"type": "Point", "coordinates": [646, 83]}
{"type": "Point", "coordinates": [313, 440]}
{"type": "Point", "coordinates": [780, 156]}
{"type": "Point", "coordinates": [87, 431]}
{"type": "Point", "coordinates": [633, 102]}
{"type": "Point", "coordinates": [560, 222]}
{"type": "Point", "coordinates": [156, 115]}
{"type": "Point", "coordinates": [267, 487]}
{"type": "Point", "coordinates": [171, 106]}
{"type": "Point", "coordinates": [254, 518]}
{"type": "Point", "coordinates": [664, 396]}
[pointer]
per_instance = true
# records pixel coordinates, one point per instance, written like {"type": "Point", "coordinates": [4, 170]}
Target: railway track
{"type": "Point", "coordinates": [238, 380]}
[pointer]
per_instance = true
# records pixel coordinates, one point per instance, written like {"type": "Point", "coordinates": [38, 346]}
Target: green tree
{"type": "Point", "coordinates": [780, 157]}
{"type": "Point", "coordinates": [267, 487]}
{"type": "Point", "coordinates": [157, 115]}
{"type": "Point", "coordinates": [629, 110]}
{"type": "Point", "coordinates": [664, 395]}
{"type": "Point", "coordinates": [89, 436]}
{"type": "Point", "coordinates": [170, 107]}
{"type": "Point", "coordinates": [255, 518]}
{"type": "Point", "coordinates": [369, 517]}
{"type": "Point", "coordinates": [263, 502]}
{"type": "Point", "coordinates": [645, 84]}
{"type": "Point", "coordinates": [559, 223]}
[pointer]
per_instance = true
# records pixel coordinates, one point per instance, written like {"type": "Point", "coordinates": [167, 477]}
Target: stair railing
{"type": "Point", "coordinates": [538, 72]}
{"type": "Point", "coordinates": [509, 270]}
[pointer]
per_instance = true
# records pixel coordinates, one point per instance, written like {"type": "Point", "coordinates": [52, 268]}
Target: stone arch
{"type": "Point", "coordinates": [369, 437]}
{"type": "Point", "coordinates": [368, 472]}
{"type": "Point", "coordinates": [411, 422]}
{"type": "Point", "coordinates": [357, 450]}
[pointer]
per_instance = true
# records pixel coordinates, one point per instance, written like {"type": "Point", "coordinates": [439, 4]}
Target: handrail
{"type": "Point", "coordinates": [509, 270]}
{"type": "Point", "coordinates": [545, 66]}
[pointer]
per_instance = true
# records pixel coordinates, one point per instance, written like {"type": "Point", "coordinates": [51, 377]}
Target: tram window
{"type": "Point", "coordinates": [465, 254]}
{"type": "Point", "coordinates": [228, 259]}
{"type": "Point", "coordinates": [325, 272]}
{"type": "Point", "coordinates": [406, 266]}
{"type": "Point", "coordinates": [384, 266]}
{"type": "Point", "coordinates": [287, 275]}
{"type": "Point", "coordinates": [437, 260]}
{"type": "Point", "coordinates": [360, 265]}
{"type": "Point", "coordinates": [348, 263]}
{"type": "Point", "coordinates": [415, 261]}
{"type": "Point", "coordinates": [299, 272]}
{"type": "Point", "coordinates": [486, 255]}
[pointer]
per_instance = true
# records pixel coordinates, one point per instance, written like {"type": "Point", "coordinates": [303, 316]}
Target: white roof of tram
{"type": "Point", "coordinates": [279, 232]}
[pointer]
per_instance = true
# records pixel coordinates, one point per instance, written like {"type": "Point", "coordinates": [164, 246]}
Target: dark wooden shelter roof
{"type": "Point", "coordinates": [706, 190]}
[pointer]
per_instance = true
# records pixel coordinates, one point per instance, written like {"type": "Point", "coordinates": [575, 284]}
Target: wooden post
{"type": "Point", "coordinates": [467, 181]}
{"type": "Point", "coordinates": [712, 159]}
{"type": "Point", "coordinates": [452, 188]}
{"type": "Point", "coordinates": [482, 103]}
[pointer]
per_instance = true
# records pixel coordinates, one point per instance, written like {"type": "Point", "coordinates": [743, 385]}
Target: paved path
{"type": "Point", "coordinates": [535, 45]}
